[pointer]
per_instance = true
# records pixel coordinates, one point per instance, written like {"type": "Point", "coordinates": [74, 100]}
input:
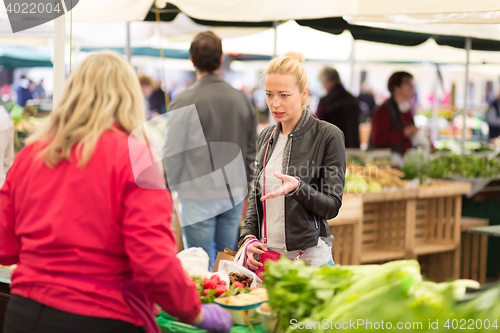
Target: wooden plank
{"type": "Point", "coordinates": [431, 248]}
{"type": "Point", "coordinates": [475, 257]}
{"type": "Point", "coordinates": [456, 237]}
{"type": "Point", "coordinates": [409, 245]}
{"type": "Point", "coordinates": [448, 226]}
{"type": "Point", "coordinates": [346, 242]}
{"type": "Point", "coordinates": [431, 222]}
{"type": "Point", "coordinates": [440, 219]}
{"type": "Point", "coordinates": [336, 246]}
{"type": "Point", "coordinates": [444, 188]}
{"type": "Point", "coordinates": [399, 225]}
{"type": "Point", "coordinates": [483, 256]}
{"type": "Point", "coordinates": [466, 256]}
{"type": "Point", "coordinates": [375, 255]}
{"type": "Point", "coordinates": [471, 222]}
{"type": "Point", "coordinates": [357, 241]}
{"type": "Point", "coordinates": [385, 196]}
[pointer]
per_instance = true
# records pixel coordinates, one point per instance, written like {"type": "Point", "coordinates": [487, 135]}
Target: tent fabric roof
{"type": "Point", "coordinates": [337, 25]}
{"type": "Point", "coordinates": [14, 56]}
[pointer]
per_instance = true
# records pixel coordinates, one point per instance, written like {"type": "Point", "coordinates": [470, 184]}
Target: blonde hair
{"type": "Point", "coordinates": [102, 90]}
{"type": "Point", "coordinates": [291, 63]}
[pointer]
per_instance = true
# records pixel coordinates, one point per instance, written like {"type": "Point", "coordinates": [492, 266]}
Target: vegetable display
{"type": "Point", "coordinates": [374, 298]}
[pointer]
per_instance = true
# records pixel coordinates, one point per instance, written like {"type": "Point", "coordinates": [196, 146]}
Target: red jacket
{"type": "Point", "coordinates": [383, 136]}
{"type": "Point", "coordinates": [95, 223]}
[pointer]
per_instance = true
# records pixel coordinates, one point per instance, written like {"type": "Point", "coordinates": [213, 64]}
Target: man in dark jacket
{"type": "Point", "coordinates": [493, 117]}
{"type": "Point", "coordinates": [339, 107]}
{"type": "Point", "coordinates": [210, 151]}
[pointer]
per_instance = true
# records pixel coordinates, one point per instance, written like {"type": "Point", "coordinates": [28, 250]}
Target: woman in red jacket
{"type": "Point", "coordinates": [83, 229]}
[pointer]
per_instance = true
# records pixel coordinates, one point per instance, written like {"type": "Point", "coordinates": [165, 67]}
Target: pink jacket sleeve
{"type": "Point", "coordinates": [9, 244]}
{"type": "Point", "coordinates": [150, 246]}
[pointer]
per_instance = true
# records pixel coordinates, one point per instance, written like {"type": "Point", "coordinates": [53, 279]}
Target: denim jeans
{"type": "Point", "coordinates": [212, 234]}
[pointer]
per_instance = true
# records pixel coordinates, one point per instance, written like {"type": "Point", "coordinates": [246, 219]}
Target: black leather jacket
{"type": "Point", "coordinates": [315, 153]}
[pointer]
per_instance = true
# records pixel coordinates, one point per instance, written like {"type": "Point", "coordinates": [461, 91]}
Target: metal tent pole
{"type": "Point", "coordinates": [275, 50]}
{"type": "Point", "coordinates": [352, 61]}
{"type": "Point", "coordinates": [59, 61]}
{"type": "Point", "coordinates": [128, 50]}
{"type": "Point", "coordinates": [468, 45]}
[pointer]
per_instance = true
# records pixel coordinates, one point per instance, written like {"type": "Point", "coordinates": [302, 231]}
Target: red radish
{"type": "Point", "coordinates": [221, 290]}
{"type": "Point", "coordinates": [215, 277]}
{"type": "Point", "coordinates": [209, 284]}
{"type": "Point", "coordinates": [221, 283]}
{"type": "Point", "coordinates": [205, 292]}
{"type": "Point", "coordinates": [238, 285]}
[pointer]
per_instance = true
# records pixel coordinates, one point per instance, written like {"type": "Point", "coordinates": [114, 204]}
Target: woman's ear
{"type": "Point", "coordinates": [304, 95]}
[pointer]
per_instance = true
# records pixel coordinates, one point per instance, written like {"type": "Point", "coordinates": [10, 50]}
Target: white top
{"type": "Point", "coordinates": [275, 214]}
{"type": "Point", "coordinates": [6, 144]}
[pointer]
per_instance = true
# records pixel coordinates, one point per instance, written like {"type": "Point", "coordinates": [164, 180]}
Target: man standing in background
{"type": "Point", "coordinates": [339, 107]}
{"type": "Point", "coordinates": [6, 144]}
{"type": "Point", "coordinates": [211, 205]}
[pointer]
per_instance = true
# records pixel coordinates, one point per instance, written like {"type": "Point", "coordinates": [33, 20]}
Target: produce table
{"type": "Point", "coordinates": [422, 224]}
{"type": "Point", "coordinates": [171, 325]}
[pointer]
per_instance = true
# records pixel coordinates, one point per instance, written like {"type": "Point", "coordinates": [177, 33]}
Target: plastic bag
{"type": "Point", "coordinates": [226, 267]}
{"type": "Point", "coordinates": [194, 261]}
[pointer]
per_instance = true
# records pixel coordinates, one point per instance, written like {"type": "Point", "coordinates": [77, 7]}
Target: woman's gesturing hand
{"type": "Point", "coordinates": [289, 185]}
{"type": "Point", "coordinates": [255, 247]}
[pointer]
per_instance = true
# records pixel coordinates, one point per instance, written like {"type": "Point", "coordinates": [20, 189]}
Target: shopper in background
{"type": "Point", "coordinates": [210, 214]}
{"type": "Point", "coordinates": [289, 208]}
{"type": "Point", "coordinates": [93, 248]}
{"type": "Point", "coordinates": [339, 107]}
{"type": "Point", "coordinates": [39, 92]}
{"type": "Point", "coordinates": [157, 102]}
{"type": "Point", "coordinates": [6, 144]}
{"type": "Point", "coordinates": [147, 88]}
{"type": "Point", "coordinates": [23, 91]}
{"type": "Point", "coordinates": [392, 123]}
{"type": "Point", "coordinates": [367, 102]}
{"type": "Point", "coordinates": [493, 117]}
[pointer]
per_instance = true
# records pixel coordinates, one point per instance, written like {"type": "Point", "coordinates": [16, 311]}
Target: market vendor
{"type": "Point", "coordinates": [300, 170]}
{"type": "Point", "coordinates": [392, 122]}
{"type": "Point", "coordinates": [94, 249]}
{"type": "Point", "coordinates": [493, 117]}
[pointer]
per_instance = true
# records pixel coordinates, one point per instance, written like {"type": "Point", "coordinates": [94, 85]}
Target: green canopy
{"type": "Point", "coordinates": [337, 25]}
{"type": "Point", "coordinates": [15, 56]}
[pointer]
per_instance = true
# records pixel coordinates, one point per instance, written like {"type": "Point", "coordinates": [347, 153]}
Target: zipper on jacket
{"type": "Point", "coordinates": [287, 165]}
{"type": "Point", "coordinates": [316, 222]}
{"type": "Point", "coordinates": [256, 207]}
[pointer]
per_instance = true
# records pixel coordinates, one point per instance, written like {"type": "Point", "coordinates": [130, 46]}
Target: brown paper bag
{"type": "Point", "coordinates": [226, 255]}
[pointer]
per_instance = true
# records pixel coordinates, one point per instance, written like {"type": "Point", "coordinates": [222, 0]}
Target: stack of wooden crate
{"type": "Point", "coordinates": [421, 224]}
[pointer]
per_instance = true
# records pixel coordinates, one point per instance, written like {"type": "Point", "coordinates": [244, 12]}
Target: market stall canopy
{"type": "Point", "coordinates": [14, 56]}
{"type": "Point", "coordinates": [336, 25]}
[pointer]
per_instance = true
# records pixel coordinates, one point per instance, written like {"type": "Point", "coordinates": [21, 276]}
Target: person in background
{"type": "Point", "coordinates": [339, 107]}
{"type": "Point", "coordinates": [392, 122]}
{"type": "Point", "coordinates": [92, 243]}
{"type": "Point", "coordinates": [6, 144]}
{"type": "Point", "coordinates": [147, 88]}
{"type": "Point", "coordinates": [493, 117]}
{"type": "Point", "coordinates": [157, 102]}
{"type": "Point", "coordinates": [289, 208]}
{"type": "Point", "coordinates": [367, 102]}
{"type": "Point", "coordinates": [39, 92]}
{"type": "Point", "coordinates": [23, 91]}
{"type": "Point", "coordinates": [209, 214]}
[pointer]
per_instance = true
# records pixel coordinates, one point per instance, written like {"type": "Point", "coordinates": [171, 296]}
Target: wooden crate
{"type": "Point", "coordinates": [346, 229]}
{"type": "Point", "coordinates": [436, 233]}
{"type": "Point", "coordinates": [474, 250]}
{"type": "Point", "coordinates": [437, 267]}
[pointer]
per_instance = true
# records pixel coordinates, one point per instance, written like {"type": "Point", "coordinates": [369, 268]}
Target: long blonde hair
{"type": "Point", "coordinates": [291, 63]}
{"type": "Point", "coordinates": [102, 90]}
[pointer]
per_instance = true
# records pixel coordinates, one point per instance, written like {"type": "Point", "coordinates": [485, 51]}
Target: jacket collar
{"type": "Point", "coordinates": [211, 78]}
{"type": "Point", "coordinates": [304, 123]}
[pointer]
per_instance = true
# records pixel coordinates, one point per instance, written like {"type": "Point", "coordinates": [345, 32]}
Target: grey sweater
{"type": "Point", "coordinates": [210, 141]}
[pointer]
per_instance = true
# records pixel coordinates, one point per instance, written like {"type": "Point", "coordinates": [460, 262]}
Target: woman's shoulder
{"type": "Point", "coordinates": [326, 129]}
